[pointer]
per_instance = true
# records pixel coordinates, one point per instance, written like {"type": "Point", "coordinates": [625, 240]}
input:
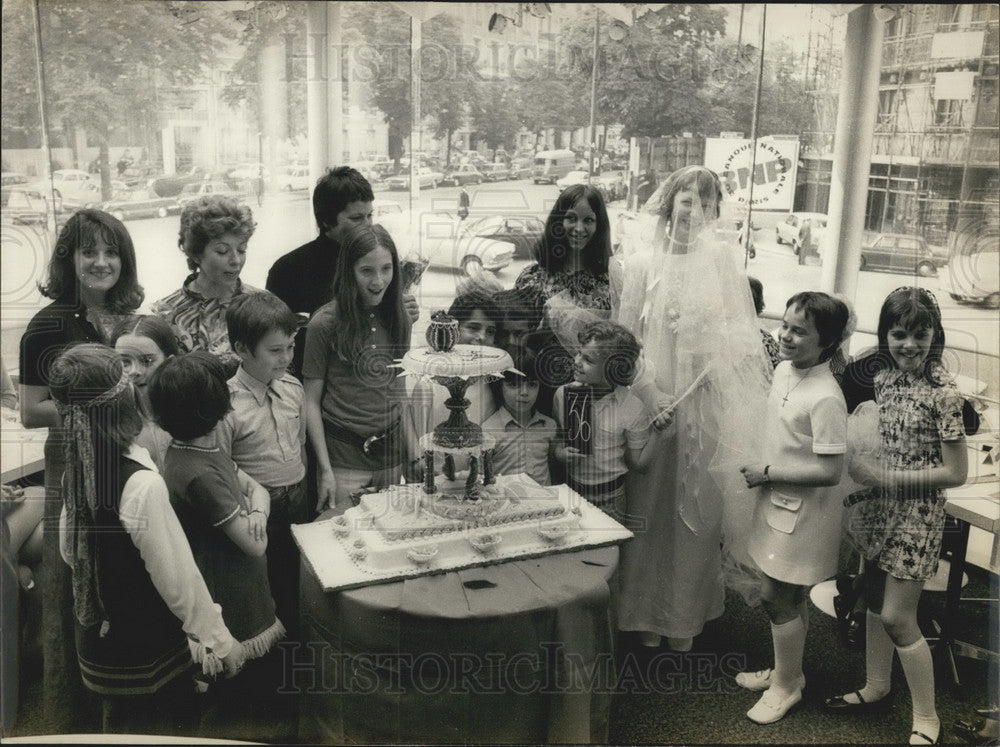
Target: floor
{"type": "Point", "coordinates": [664, 697]}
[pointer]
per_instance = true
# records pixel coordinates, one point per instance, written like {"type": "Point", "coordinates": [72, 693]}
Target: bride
{"type": "Point", "coordinates": [676, 284]}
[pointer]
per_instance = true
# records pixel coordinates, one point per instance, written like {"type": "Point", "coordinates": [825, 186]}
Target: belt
{"type": "Point", "coordinates": [602, 488]}
{"type": "Point", "coordinates": [365, 443]}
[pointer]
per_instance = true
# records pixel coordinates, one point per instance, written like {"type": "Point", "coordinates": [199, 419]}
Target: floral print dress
{"type": "Point", "coordinates": [915, 417]}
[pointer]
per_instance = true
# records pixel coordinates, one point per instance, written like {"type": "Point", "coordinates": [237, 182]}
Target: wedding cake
{"type": "Point", "coordinates": [460, 519]}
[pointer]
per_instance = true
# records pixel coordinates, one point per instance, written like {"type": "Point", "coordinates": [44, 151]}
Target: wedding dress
{"type": "Point", "coordinates": [694, 315]}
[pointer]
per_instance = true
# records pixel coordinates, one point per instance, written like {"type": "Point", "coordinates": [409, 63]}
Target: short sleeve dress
{"type": "Point", "coordinates": [914, 418]}
{"type": "Point", "coordinates": [795, 533]}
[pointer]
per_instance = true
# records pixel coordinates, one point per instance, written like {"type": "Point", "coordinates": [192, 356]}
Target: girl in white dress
{"type": "Point", "coordinates": [795, 534]}
{"type": "Point", "coordinates": [677, 286]}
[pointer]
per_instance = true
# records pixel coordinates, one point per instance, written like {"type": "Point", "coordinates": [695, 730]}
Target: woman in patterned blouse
{"type": "Point", "coordinates": [213, 236]}
{"type": "Point", "coordinates": [568, 283]}
{"type": "Point", "coordinates": [571, 258]}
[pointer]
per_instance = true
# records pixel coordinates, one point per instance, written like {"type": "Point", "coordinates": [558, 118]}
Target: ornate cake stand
{"type": "Point", "coordinates": [457, 436]}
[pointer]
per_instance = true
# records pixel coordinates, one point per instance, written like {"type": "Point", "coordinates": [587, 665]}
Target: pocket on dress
{"type": "Point", "coordinates": [783, 513]}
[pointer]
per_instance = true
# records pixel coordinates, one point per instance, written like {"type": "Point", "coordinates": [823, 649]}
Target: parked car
{"type": "Point", "coordinates": [972, 276]}
{"type": "Point", "coordinates": [523, 231]}
{"type": "Point", "coordinates": [496, 172]}
{"type": "Point", "coordinates": [906, 254]}
{"type": "Point", "coordinates": [139, 176]}
{"type": "Point", "coordinates": [293, 178]}
{"type": "Point", "coordinates": [141, 203]}
{"type": "Point", "coordinates": [520, 168]}
{"type": "Point", "coordinates": [169, 185]}
{"type": "Point", "coordinates": [573, 177]}
{"type": "Point", "coordinates": [195, 190]}
{"type": "Point", "coordinates": [12, 179]}
{"type": "Point", "coordinates": [787, 230]}
{"type": "Point", "coordinates": [612, 184]}
{"type": "Point", "coordinates": [244, 171]}
{"type": "Point", "coordinates": [441, 239]}
{"type": "Point", "coordinates": [463, 174]}
{"type": "Point", "coordinates": [21, 206]}
{"type": "Point", "coordinates": [72, 185]}
{"type": "Point", "coordinates": [426, 178]}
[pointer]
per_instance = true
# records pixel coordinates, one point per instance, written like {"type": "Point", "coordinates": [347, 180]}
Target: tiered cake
{"type": "Point", "coordinates": [450, 523]}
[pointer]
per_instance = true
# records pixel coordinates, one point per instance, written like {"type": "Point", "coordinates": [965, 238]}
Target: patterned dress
{"type": "Point", "coordinates": [915, 417]}
{"type": "Point", "coordinates": [199, 323]}
{"type": "Point", "coordinates": [584, 289]}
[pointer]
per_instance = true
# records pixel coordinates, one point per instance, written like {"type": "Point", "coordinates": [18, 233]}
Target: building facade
{"type": "Point", "coordinates": [936, 150]}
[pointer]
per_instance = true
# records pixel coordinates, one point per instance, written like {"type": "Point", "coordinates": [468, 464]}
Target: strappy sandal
{"type": "Point", "coordinates": [926, 738]}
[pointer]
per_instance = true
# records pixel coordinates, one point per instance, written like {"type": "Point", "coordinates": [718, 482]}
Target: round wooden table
{"type": "Point", "coordinates": [515, 652]}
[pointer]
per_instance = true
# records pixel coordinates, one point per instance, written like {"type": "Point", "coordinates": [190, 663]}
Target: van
{"type": "Point", "coordinates": [551, 165]}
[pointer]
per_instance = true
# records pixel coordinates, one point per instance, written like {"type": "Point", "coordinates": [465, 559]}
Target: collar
{"type": "Point", "coordinates": [620, 394]}
{"type": "Point", "coordinates": [508, 418]}
{"type": "Point", "coordinates": [256, 387]}
{"type": "Point", "coordinates": [139, 454]}
{"type": "Point", "coordinates": [192, 293]}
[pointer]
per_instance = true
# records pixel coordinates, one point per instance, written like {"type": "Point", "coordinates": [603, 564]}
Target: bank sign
{"type": "Point", "coordinates": [773, 172]}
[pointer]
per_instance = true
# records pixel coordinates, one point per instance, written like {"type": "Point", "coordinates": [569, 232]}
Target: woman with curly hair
{"type": "Point", "coordinates": [213, 236]}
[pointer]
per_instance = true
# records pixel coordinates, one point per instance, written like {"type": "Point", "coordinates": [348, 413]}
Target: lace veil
{"type": "Point", "coordinates": [694, 313]}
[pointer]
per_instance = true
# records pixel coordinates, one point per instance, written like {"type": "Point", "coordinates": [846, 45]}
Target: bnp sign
{"type": "Point", "coordinates": [772, 172]}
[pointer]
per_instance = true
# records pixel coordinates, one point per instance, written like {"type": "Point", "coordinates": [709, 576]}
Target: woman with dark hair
{"type": "Point", "coordinates": [571, 260]}
{"type": "Point", "coordinates": [213, 236]}
{"type": "Point", "coordinates": [353, 399]}
{"type": "Point", "coordinates": [92, 281]}
{"type": "Point", "coordinates": [568, 282]}
{"type": "Point", "coordinates": [679, 289]}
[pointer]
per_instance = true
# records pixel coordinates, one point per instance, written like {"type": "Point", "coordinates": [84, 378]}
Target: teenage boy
{"type": "Point", "coordinates": [303, 278]}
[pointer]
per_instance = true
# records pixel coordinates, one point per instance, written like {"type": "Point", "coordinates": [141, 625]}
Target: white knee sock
{"type": "Point", "coordinates": [789, 643]}
{"type": "Point", "coordinates": [879, 649]}
{"type": "Point", "coordinates": [919, 670]}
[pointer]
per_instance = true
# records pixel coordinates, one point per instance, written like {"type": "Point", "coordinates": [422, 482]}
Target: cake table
{"type": "Point", "coordinates": [515, 653]}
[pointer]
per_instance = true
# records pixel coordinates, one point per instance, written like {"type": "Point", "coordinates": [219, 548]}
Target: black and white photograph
{"type": "Point", "coordinates": [384, 372]}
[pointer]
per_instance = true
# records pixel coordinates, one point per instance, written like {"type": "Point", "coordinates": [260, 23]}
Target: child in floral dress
{"type": "Point", "coordinates": [923, 451]}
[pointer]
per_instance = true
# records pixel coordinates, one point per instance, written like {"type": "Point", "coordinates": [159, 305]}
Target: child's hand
{"type": "Point", "coordinates": [414, 470]}
{"type": "Point", "coordinates": [569, 453]}
{"type": "Point", "coordinates": [665, 412]}
{"type": "Point", "coordinates": [257, 524]}
{"type": "Point", "coordinates": [866, 470]}
{"type": "Point", "coordinates": [13, 493]}
{"type": "Point", "coordinates": [754, 475]}
{"type": "Point", "coordinates": [327, 490]}
{"type": "Point", "coordinates": [411, 307]}
{"type": "Point", "coordinates": [235, 660]}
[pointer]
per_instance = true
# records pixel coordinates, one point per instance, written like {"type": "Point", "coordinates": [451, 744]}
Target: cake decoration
{"type": "Point", "coordinates": [442, 332]}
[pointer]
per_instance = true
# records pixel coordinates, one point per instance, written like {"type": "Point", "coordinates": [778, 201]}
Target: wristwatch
{"type": "Point", "coordinates": [767, 477]}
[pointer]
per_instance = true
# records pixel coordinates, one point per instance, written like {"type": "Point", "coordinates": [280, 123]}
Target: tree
{"type": "Point", "coordinates": [655, 81]}
{"type": "Point", "coordinates": [496, 113]}
{"type": "Point", "coordinates": [103, 63]}
{"type": "Point", "coordinates": [19, 114]}
{"type": "Point", "coordinates": [263, 23]}
{"type": "Point", "coordinates": [546, 94]}
{"type": "Point", "coordinates": [380, 58]}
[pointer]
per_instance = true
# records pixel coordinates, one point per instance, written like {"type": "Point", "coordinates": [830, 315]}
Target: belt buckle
{"type": "Point", "coordinates": [369, 442]}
